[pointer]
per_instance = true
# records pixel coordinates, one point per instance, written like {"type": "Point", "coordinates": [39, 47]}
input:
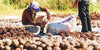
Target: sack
{"type": "Point", "coordinates": [63, 25]}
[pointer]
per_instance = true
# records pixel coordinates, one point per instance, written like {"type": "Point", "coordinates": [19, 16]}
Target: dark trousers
{"type": "Point", "coordinates": [41, 30]}
{"type": "Point", "coordinates": [84, 15]}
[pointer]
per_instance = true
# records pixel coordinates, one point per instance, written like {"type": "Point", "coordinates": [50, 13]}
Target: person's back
{"type": "Point", "coordinates": [25, 16]}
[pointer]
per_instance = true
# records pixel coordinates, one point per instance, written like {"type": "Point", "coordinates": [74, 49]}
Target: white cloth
{"type": "Point", "coordinates": [63, 25]}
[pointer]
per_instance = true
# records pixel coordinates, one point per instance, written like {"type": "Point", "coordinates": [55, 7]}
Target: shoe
{"type": "Point", "coordinates": [41, 34]}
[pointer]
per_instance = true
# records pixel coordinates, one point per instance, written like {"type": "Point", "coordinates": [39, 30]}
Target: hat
{"type": "Point", "coordinates": [35, 5]}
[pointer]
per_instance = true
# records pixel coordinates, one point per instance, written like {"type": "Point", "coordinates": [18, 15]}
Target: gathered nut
{"type": "Point", "coordinates": [8, 42]}
{"type": "Point", "coordinates": [33, 46]}
{"type": "Point", "coordinates": [15, 42]}
{"type": "Point", "coordinates": [2, 47]}
{"type": "Point", "coordinates": [96, 47]}
{"type": "Point", "coordinates": [43, 45]}
{"type": "Point", "coordinates": [48, 48]}
{"type": "Point", "coordinates": [27, 44]}
{"type": "Point", "coordinates": [21, 41]}
{"type": "Point", "coordinates": [67, 45]}
{"type": "Point", "coordinates": [84, 45]}
{"type": "Point", "coordinates": [56, 48]}
{"type": "Point", "coordinates": [56, 44]}
{"type": "Point", "coordinates": [18, 49]}
{"type": "Point", "coordinates": [90, 48]}
{"type": "Point", "coordinates": [1, 42]}
{"type": "Point", "coordinates": [7, 48]}
{"type": "Point", "coordinates": [39, 48]}
{"type": "Point", "coordinates": [21, 47]}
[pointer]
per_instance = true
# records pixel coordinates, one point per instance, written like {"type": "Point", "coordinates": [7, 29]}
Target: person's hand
{"type": "Point", "coordinates": [48, 18]}
{"type": "Point", "coordinates": [43, 23]}
{"type": "Point", "coordinates": [76, 3]}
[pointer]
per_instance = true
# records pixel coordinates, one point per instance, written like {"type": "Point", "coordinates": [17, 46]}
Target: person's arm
{"type": "Point", "coordinates": [45, 10]}
{"type": "Point", "coordinates": [34, 12]}
{"type": "Point", "coordinates": [30, 19]}
{"type": "Point", "coordinates": [34, 15]}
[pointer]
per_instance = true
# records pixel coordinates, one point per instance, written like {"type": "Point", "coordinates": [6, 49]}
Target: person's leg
{"type": "Point", "coordinates": [41, 31]}
{"type": "Point", "coordinates": [82, 16]}
{"type": "Point", "coordinates": [88, 18]}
